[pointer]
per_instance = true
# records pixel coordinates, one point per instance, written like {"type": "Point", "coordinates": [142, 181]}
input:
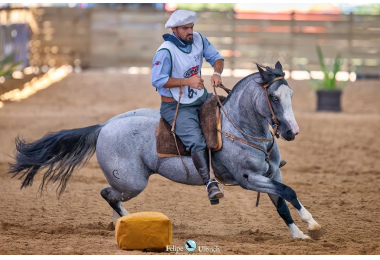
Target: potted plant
{"type": "Point", "coordinates": [328, 90]}
{"type": "Point", "coordinates": [7, 65]}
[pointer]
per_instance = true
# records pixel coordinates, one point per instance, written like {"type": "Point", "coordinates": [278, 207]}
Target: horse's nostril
{"type": "Point", "coordinates": [289, 133]}
{"type": "Point", "coordinates": [296, 133]}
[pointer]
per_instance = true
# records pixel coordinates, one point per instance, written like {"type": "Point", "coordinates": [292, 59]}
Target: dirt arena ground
{"type": "Point", "coordinates": [333, 165]}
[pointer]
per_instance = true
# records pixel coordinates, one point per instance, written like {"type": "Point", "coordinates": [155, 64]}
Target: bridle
{"type": "Point", "coordinates": [274, 118]}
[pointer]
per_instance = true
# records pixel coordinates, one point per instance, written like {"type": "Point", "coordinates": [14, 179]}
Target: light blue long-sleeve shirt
{"type": "Point", "coordinates": [161, 74]}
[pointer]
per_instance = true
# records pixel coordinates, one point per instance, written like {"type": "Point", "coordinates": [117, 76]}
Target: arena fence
{"type": "Point", "coordinates": [123, 38]}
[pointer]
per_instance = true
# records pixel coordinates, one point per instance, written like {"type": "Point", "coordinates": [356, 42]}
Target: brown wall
{"type": "Point", "coordinates": [124, 38]}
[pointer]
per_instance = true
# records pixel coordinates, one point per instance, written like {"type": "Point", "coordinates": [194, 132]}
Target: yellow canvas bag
{"type": "Point", "coordinates": [150, 231]}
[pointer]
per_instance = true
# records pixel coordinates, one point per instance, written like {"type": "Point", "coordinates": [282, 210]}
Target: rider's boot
{"type": "Point", "coordinates": [201, 163]}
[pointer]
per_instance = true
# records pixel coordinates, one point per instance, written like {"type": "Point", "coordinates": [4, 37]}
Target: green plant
{"type": "Point", "coordinates": [7, 65]}
{"type": "Point", "coordinates": [206, 6]}
{"type": "Point", "coordinates": [329, 81]}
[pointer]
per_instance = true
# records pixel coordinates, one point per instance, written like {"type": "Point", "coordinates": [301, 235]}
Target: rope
{"type": "Point", "coordinates": [173, 127]}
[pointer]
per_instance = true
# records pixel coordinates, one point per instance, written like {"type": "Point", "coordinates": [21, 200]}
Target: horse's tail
{"type": "Point", "coordinates": [57, 154]}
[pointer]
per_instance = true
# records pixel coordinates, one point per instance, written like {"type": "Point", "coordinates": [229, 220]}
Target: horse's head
{"type": "Point", "coordinates": [280, 98]}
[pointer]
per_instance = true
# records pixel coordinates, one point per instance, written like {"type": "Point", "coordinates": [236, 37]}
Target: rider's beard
{"type": "Point", "coordinates": [188, 39]}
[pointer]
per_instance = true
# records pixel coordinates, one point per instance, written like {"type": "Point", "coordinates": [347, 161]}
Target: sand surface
{"type": "Point", "coordinates": [333, 165]}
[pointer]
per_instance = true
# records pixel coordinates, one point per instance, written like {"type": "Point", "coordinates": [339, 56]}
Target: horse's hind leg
{"type": "Point", "coordinates": [114, 199]}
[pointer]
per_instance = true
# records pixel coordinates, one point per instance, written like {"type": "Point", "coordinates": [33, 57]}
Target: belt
{"type": "Point", "coordinates": [167, 99]}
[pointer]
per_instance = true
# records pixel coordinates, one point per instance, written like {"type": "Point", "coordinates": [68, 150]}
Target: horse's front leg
{"type": "Point", "coordinates": [283, 209]}
{"type": "Point", "coordinates": [284, 213]}
{"type": "Point", "coordinates": [315, 230]}
{"type": "Point", "coordinates": [256, 182]}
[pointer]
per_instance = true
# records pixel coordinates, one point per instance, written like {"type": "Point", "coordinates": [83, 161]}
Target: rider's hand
{"type": "Point", "coordinates": [216, 80]}
{"type": "Point", "coordinates": [195, 82]}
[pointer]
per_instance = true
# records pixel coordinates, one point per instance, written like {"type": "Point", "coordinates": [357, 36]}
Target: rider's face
{"type": "Point", "coordinates": [184, 32]}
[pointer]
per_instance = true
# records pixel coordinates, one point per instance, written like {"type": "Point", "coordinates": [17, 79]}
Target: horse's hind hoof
{"type": "Point", "coordinates": [214, 201]}
{"type": "Point", "coordinates": [316, 234]}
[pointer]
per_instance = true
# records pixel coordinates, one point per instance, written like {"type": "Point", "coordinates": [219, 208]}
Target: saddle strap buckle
{"type": "Point", "coordinates": [229, 136]}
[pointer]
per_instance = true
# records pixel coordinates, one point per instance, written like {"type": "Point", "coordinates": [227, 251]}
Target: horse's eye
{"type": "Point", "coordinates": [274, 98]}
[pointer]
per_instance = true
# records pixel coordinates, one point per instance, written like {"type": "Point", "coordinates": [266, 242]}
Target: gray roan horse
{"type": "Point", "coordinates": [126, 150]}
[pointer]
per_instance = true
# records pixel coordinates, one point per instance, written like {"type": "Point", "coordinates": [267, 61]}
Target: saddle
{"type": "Point", "coordinates": [210, 120]}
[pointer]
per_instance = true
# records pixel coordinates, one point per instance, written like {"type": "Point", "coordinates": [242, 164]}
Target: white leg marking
{"type": "Point", "coordinates": [296, 233]}
{"type": "Point", "coordinates": [116, 216]}
{"type": "Point", "coordinates": [306, 217]}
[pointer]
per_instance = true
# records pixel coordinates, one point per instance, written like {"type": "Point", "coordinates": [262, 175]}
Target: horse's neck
{"type": "Point", "coordinates": [241, 108]}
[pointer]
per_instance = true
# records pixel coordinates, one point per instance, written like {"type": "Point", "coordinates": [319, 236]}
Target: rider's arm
{"type": "Point", "coordinates": [218, 66]}
{"type": "Point", "coordinates": [193, 82]}
{"type": "Point", "coordinates": [161, 71]}
{"type": "Point", "coordinates": [211, 54]}
{"type": "Point", "coordinates": [213, 57]}
{"type": "Point", "coordinates": [161, 68]}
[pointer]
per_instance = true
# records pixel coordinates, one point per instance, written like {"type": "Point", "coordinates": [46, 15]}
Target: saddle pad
{"type": "Point", "coordinates": [165, 142]}
{"type": "Point", "coordinates": [151, 231]}
{"type": "Point", "coordinates": [209, 118]}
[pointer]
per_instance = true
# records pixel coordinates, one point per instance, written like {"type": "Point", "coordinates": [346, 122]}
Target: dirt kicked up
{"type": "Point", "coordinates": [333, 165]}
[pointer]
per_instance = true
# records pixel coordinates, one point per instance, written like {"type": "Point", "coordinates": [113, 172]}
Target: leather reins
{"type": "Point", "coordinates": [233, 137]}
{"type": "Point", "coordinates": [274, 118]}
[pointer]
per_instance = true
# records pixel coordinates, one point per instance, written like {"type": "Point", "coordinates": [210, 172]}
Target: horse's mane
{"type": "Point", "coordinates": [272, 73]}
{"type": "Point", "coordinates": [256, 77]}
{"type": "Point", "coordinates": [237, 85]}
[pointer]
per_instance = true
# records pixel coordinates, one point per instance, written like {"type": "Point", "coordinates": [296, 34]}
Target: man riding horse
{"type": "Point", "coordinates": [176, 73]}
{"type": "Point", "coordinates": [125, 144]}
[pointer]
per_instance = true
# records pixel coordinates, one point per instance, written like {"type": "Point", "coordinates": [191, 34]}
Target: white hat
{"type": "Point", "coordinates": [180, 17]}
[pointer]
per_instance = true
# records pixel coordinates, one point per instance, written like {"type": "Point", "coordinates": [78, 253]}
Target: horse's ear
{"type": "Point", "coordinates": [264, 74]}
{"type": "Point", "coordinates": [278, 66]}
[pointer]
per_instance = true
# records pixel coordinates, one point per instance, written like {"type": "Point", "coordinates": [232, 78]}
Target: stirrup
{"type": "Point", "coordinates": [216, 200]}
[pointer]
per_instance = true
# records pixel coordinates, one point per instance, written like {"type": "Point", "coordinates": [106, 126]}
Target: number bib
{"type": "Point", "coordinates": [186, 65]}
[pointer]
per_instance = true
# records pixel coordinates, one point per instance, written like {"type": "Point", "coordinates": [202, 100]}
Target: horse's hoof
{"type": "Point", "coordinates": [110, 226]}
{"type": "Point", "coordinates": [316, 234]}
